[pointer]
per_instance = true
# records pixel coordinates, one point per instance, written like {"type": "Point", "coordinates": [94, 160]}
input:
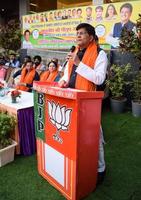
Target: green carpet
{"type": "Point", "coordinates": [20, 180]}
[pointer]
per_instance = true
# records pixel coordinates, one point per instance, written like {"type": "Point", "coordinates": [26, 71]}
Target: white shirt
{"type": "Point", "coordinates": [97, 74]}
{"type": "Point", "coordinates": [14, 64]}
{"type": "Point", "coordinates": [27, 45]}
{"type": "Point", "coordinates": [113, 41]}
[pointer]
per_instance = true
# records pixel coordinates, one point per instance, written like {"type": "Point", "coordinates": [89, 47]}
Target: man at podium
{"type": "Point", "coordinates": [86, 68]}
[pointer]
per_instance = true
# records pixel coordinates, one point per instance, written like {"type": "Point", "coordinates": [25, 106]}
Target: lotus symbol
{"type": "Point", "coordinates": [59, 117]}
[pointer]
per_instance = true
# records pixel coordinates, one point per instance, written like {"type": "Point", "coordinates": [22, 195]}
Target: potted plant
{"type": "Point", "coordinates": [136, 91]}
{"type": "Point", "coordinates": [14, 95]}
{"type": "Point", "coordinates": [130, 41]}
{"type": "Point", "coordinates": [116, 82]}
{"type": "Point", "coordinates": [7, 145]}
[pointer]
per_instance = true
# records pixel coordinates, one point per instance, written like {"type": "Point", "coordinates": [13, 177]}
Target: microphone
{"type": "Point", "coordinates": [71, 50]}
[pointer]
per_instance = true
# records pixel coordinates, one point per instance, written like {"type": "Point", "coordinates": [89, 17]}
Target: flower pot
{"type": "Point", "coordinates": [118, 106]}
{"type": "Point", "coordinates": [2, 92]}
{"type": "Point", "coordinates": [14, 99]}
{"type": "Point", "coordinates": [7, 154]}
{"type": "Point", "coordinates": [136, 109]}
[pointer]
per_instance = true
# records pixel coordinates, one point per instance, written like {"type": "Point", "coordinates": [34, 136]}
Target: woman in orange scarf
{"type": "Point", "coordinates": [28, 75]}
{"type": "Point", "coordinates": [52, 74]}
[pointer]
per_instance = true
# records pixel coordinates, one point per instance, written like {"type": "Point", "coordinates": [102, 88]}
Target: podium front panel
{"type": "Point", "coordinates": [60, 125]}
{"type": "Point", "coordinates": [67, 155]}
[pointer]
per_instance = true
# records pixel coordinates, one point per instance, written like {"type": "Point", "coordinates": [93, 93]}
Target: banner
{"type": "Point", "coordinates": [56, 29]}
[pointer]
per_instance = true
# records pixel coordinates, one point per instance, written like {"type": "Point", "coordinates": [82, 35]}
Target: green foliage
{"type": "Point", "coordinates": [10, 36]}
{"type": "Point", "coordinates": [136, 88]}
{"type": "Point", "coordinates": [117, 80]}
{"type": "Point", "coordinates": [7, 124]}
{"type": "Point", "coordinates": [130, 40]}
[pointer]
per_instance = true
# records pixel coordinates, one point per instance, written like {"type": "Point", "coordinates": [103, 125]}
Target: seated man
{"type": "Point", "coordinates": [13, 62]}
{"type": "Point", "coordinates": [38, 64]}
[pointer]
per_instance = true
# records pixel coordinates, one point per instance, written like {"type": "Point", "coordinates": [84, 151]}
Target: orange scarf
{"type": "Point", "coordinates": [44, 76]}
{"type": "Point", "coordinates": [48, 77]}
{"type": "Point", "coordinates": [26, 77]}
{"type": "Point", "coordinates": [89, 59]}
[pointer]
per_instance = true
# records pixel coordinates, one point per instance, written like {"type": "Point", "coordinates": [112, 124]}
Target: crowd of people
{"type": "Point", "coordinates": [21, 75]}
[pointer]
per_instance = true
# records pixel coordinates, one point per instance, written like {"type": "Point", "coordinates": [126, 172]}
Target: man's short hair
{"type": "Point", "coordinates": [37, 57]}
{"type": "Point", "coordinates": [127, 5]}
{"type": "Point", "coordinates": [79, 9]}
{"type": "Point", "coordinates": [99, 7]}
{"type": "Point", "coordinates": [28, 57]}
{"type": "Point", "coordinates": [88, 27]}
{"type": "Point", "coordinates": [26, 31]}
{"type": "Point", "coordinates": [89, 8]}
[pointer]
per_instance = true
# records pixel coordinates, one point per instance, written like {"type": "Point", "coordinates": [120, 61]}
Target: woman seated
{"type": "Point", "coordinates": [28, 75]}
{"type": "Point", "coordinates": [52, 74]}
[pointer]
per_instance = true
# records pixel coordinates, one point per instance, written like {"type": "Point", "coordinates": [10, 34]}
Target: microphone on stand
{"type": "Point", "coordinates": [71, 50]}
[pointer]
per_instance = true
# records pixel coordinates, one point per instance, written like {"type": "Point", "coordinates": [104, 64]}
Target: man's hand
{"type": "Point", "coordinates": [63, 84]}
{"type": "Point", "coordinates": [74, 57]}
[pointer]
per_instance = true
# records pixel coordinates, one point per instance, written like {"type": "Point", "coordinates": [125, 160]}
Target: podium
{"type": "Point", "coordinates": [67, 124]}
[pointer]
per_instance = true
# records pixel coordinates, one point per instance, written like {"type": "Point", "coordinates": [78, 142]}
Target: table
{"type": "Point", "coordinates": [23, 110]}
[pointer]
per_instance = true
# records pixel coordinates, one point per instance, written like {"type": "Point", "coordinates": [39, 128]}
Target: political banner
{"type": "Point", "coordinates": [57, 29]}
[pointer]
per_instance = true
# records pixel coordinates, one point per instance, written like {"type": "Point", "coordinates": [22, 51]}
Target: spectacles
{"type": "Point", "coordinates": [81, 33]}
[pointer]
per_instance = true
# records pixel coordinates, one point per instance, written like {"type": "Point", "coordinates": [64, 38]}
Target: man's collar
{"type": "Point", "coordinates": [83, 50]}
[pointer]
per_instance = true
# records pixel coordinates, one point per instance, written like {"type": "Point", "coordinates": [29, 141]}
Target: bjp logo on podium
{"type": "Point", "coordinates": [60, 118]}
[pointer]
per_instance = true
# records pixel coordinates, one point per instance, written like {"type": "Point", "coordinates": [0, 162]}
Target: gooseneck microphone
{"type": "Point", "coordinates": [71, 50]}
